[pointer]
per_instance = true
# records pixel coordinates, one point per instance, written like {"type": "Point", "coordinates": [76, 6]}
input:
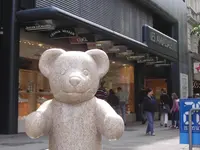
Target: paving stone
{"type": "Point", "coordinates": [134, 138]}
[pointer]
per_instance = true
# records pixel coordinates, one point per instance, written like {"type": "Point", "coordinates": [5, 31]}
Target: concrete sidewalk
{"type": "Point", "coordinates": [133, 139]}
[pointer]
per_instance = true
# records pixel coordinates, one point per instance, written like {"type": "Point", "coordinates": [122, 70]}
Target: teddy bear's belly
{"type": "Point", "coordinates": [74, 130]}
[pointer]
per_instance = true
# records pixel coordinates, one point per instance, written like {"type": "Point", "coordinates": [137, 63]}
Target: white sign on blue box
{"type": "Point", "coordinates": [185, 106]}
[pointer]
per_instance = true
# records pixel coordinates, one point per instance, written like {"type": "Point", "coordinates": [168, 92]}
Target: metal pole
{"type": "Point", "coordinates": [190, 129]}
{"type": "Point", "coordinates": [190, 126]}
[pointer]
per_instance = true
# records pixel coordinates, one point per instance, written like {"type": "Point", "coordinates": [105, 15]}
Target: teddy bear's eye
{"type": "Point", "coordinates": [85, 72]}
{"type": "Point", "coordinates": [61, 71]}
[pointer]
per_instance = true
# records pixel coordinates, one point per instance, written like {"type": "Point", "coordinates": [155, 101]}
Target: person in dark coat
{"type": "Point", "coordinates": [113, 100]}
{"type": "Point", "coordinates": [164, 108]}
{"type": "Point", "coordinates": [150, 107]}
{"type": "Point", "coordinates": [101, 92]}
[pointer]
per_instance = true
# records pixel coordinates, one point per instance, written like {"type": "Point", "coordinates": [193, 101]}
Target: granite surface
{"type": "Point", "coordinates": [74, 119]}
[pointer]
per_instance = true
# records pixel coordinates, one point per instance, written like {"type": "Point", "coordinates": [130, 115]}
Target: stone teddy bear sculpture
{"type": "Point", "coordinates": [75, 119]}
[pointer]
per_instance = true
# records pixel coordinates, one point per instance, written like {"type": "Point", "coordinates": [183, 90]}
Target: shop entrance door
{"type": "Point", "coordinates": [156, 85]}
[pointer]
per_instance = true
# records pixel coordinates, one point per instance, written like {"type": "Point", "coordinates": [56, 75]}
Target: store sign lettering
{"type": "Point", "coordinates": [82, 40]}
{"type": "Point", "coordinates": [62, 33]}
{"type": "Point", "coordinates": [185, 106]}
{"type": "Point", "coordinates": [161, 40]}
{"type": "Point", "coordinates": [154, 38]}
{"type": "Point", "coordinates": [78, 40]}
{"type": "Point", "coordinates": [194, 128]}
{"type": "Point", "coordinates": [47, 27]}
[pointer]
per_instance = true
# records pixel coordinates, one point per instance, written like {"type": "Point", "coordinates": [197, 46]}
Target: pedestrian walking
{"type": "Point", "coordinates": [150, 108]}
{"type": "Point", "coordinates": [164, 108]}
{"type": "Point", "coordinates": [113, 100]}
{"type": "Point", "coordinates": [175, 111]}
{"type": "Point", "coordinates": [123, 100]}
{"type": "Point", "coordinates": [101, 92]}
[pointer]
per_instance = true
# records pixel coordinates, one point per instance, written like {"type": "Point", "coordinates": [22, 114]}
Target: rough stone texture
{"type": "Point", "coordinates": [74, 119]}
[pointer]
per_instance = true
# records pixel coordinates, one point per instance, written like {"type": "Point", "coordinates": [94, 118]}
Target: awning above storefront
{"type": "Point", "coordinates": [58, 15]}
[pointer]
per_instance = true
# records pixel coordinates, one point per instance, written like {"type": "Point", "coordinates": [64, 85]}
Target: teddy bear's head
{"type": "Point", "coordinates": [74, 75]}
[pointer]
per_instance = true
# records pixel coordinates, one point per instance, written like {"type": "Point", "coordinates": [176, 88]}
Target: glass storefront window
{"type": "Point", "coordinates": [121, 75]}
{"type": "Point", "coordinates": [34, 87]}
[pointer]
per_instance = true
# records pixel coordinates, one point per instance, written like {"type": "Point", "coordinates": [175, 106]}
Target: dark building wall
{"type": "Point", "coordinates": [24, 4]}
{"type": "Point", "coordinates": [127, 17]}
{"type": "Point", "coordinates": [176, 12]}
{"type": "Point", "coordinates": [123, 16]}
{"type": "Point", "coordinates": [9, 47]}
{"type": "Point", "coordinates": [177, 9]}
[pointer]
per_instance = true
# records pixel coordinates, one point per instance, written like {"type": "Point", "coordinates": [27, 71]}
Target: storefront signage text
{"type": "Point", "coordinates": [78, 40]}
{"type": "Point", "coordinates": [162, 40]}
{"type": "Point", "coordinates": [152, 37]}
{"type": "Point", "coordinates": [46, 27]}
{"type": "Point", "coordinates": [62, 33]}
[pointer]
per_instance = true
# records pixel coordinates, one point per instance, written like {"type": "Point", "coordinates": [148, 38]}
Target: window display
{"type": "Point", "coordinates": [121, 75]}
{"type": "Point", "coordinates": [34, 87]}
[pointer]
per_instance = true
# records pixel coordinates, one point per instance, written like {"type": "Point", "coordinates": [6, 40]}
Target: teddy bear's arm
{"type": "Point", "coordinates": [38, 123]}
{"type": "Point", "coordinates": [109, 123]}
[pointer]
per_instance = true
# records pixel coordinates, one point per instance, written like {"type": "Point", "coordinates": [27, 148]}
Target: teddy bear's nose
{"type": "Point", "coordinates": [74, 81]}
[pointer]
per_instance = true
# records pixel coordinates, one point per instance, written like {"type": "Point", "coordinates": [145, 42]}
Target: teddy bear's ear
{"type": "Point", "coordinates": [101, 59]}
{"type": "Point", "coordinates": [47, 59]}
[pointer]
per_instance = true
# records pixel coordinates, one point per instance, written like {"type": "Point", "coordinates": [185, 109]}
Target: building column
{"type": "Point", "coordinates": [175, 78]}
{"type": "Point", "coordinates": [139, 84]}
{"type": "Point", "coordinates": [9, 47]}
{"type": "Point", "coordinates": [190, 75]}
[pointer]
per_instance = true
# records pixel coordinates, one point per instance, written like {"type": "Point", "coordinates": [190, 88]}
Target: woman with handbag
{"type": "Point", "coordinates": [175, 111]}
{"type": "Point", "coordinates": [164, 108]}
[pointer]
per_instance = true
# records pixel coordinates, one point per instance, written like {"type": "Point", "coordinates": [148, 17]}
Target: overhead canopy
{"type": "Point", "coordinates": [53, 13]}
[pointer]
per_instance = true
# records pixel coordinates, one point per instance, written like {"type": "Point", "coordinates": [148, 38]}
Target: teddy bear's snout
{"type": "Point", "coordinates": [74, 81]}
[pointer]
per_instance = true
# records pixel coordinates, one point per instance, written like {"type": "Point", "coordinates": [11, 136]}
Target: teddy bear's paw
{"type": "Point", "coordinates": [113, 127]}
{"type": "Point", "coordinates": [35, 125]}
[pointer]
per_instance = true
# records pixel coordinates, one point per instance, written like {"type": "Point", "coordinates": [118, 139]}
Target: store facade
{"type": "Point", "coordinates": [194, 73]}
{"type": "Point", "coordinates": [196, 77]}
{"type": "Point", "coordinates": [34, 87]}
{"type": "Point", "coordinates": [193, 48]}
{"type": "Point", "coordinates": [133, 48]}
